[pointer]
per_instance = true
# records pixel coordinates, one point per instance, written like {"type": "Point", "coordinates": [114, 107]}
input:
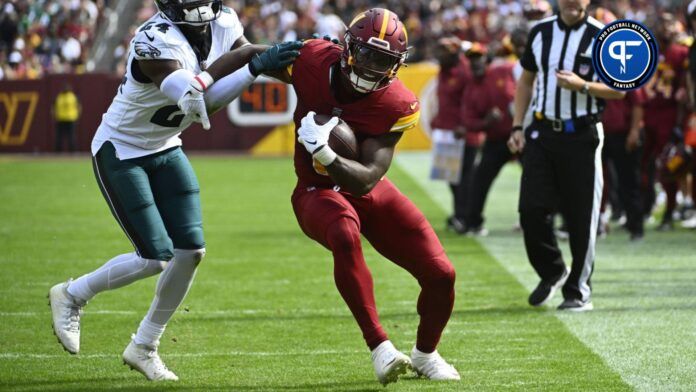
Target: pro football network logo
{"type": "Point", "coordinates": [625, 55]}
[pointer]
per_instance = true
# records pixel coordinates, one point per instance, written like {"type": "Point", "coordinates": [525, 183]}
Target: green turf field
{"type": "Point", "coordinates": [264, 314]}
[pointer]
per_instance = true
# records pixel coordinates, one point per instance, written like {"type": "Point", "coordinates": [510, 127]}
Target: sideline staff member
{"type": "Point", "coordinates": [562, 168]}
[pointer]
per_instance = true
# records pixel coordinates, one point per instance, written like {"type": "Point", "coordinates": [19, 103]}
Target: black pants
{"type": "Point", "coordinates": [562, 172]}
{"type": "Point", "coordinates": [494, 155]}
{"type": "Point", "coordinates": [461, 193]}
{"type": "Point", "coordinates": [627, 167]}
{"type": "Point", "coordinates": [65, 132]}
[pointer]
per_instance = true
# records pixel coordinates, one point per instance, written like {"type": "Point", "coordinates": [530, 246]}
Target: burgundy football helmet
{"type": "Point", "coordinates": [376, 45]}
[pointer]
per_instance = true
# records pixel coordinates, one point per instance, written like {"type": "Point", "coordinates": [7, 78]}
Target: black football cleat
{"type": "Point", "coordinates": [546, 289]}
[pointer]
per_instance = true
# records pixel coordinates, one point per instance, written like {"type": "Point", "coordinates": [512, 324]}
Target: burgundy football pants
{"type": "Point", "coordinates": [658, 130]}
{"type": "Point", "coordinates": [396, 229]}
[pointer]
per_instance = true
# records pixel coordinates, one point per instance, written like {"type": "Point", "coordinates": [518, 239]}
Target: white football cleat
{"type": "Point", "coordinates": [147, 361]}
{"type": "Point", "coordinates": [433, 366]}
{"type": "Point", "coordinates": [389, 362]}
{"type": "Point", "coordinates": [66, 317]}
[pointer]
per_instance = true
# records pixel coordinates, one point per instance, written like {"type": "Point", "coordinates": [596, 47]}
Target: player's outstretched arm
{"type": "Point", "coordinates": [174, 83]}
{"type": "Point", "coordinates": [234, 60]}
{"type": "Point", "coordinates": [186, 88]}
{"type": "Point", "coordinates": [260, 58]}
{"type": "Point", "coordinates": [236, 70]}
{"type": "Point", "coordinates": [376, 155]}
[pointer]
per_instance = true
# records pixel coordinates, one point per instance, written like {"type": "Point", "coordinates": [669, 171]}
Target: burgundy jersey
{"type": "Point", "coordinates": [392, 109]}
{"type": "Point", "coordinates": [616, 117]}
{"type": "Point", "coordinates": [668, 80]}
{"type": "Point", "coordinates": [495, 90]}
{"type": "Point", "coordinates": [450, 86]}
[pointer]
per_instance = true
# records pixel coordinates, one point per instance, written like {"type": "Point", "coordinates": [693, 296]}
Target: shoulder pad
{"type": "Point", "coordinates": [228, 18]}
{"type": "Point", "coordinates": [156, 40]}
{"type": "Point", "coordinates": [314, 44]}
{"type": "Point", "coordinates": [404, 108]}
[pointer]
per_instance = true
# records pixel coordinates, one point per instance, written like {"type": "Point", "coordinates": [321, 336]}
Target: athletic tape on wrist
{"type": "Point", "coordinates": [325, 155]}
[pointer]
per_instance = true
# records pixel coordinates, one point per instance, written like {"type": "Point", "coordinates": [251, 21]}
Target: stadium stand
{"type": "Point", "coordinates": [57, 36]}
{"type": "Point", "coordinates": [38, 37]}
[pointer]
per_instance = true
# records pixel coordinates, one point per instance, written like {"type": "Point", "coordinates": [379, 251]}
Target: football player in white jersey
{"type": "Point", "coordinates": [142, 172]}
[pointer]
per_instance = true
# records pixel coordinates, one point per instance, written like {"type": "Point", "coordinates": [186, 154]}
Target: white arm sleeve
{"type": "Point", "coordinates": [176, 84]}
{"type": "Point", "coordinates": [225, 90]}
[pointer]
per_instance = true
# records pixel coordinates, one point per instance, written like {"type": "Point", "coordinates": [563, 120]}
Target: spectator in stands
{"type": "Point", "coordinates": [328, 23]}
{"type": "Point", "coordinates": [66, 111]}
{"type": "Point", "coordinates": [9, 24]}
{"type": "Point", "coordinates": [51, 36]}
{"type": "Point", "coordinates": [15, 68]}
{"type": "Point", "coordinates": [46, 24]}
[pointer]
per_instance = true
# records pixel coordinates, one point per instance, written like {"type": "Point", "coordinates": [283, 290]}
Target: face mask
{"type": "Point", "coordinates": [199, 15]}
{"type": "Point", "coordinates": [361, 84]}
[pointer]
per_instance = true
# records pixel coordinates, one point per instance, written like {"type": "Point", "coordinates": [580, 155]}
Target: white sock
{"type": "Point", "coordinates": [172, 287]}
{"type": "Point", "coordinates": [117, 272]}
{"type": "Point", "coordinates": [149, 333]}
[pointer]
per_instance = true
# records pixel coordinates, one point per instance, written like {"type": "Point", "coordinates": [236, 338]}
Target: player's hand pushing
{"type": "Point", "coordinates": [315, 138]}
{"type": "Point", "coordinates": [277, 57]}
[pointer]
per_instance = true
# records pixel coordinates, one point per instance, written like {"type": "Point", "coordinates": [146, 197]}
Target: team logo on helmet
{"type": "Point", "coordinates": [376, 45]}
{"type": "Point", "coordinates": [625, 55]}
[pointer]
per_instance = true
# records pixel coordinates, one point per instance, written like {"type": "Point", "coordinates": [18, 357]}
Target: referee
{"type": "Point", "coordinates": [562, 168]}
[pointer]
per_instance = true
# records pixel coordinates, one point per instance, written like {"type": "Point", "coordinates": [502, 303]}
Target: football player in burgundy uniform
{"type": "Point", "coordinates": [455, 74]}
{"type": "Point", "coordinates": [337, 199]}
{"type": "Point", "coordinates": [622, 120]}
{"type": "Point", "coordinates": [664, 112]}
{"type": "Point", "coordinates": [486, 105]}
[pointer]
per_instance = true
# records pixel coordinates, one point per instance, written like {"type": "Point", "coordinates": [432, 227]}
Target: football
{"type": "Point", "coordinates": [342, 139]}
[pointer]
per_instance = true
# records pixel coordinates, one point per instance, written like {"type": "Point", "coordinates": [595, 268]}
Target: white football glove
{"type": "Point", "coordinates": [315, 138]}
{"type": "Point", "coordinates": [192, 102]}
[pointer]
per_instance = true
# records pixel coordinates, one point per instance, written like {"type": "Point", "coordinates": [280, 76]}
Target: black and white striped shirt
{"type": "Point", "coordinates": [553, 45]}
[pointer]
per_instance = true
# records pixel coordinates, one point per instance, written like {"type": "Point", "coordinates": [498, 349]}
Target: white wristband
{"type": "Point", "coordinates": [325, 155]}
{"type": "Point", "coordinates": [204, 80]}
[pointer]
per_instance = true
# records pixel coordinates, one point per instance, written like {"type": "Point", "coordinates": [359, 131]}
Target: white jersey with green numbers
{"type": "Point", "coordinates": [141, 119]}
